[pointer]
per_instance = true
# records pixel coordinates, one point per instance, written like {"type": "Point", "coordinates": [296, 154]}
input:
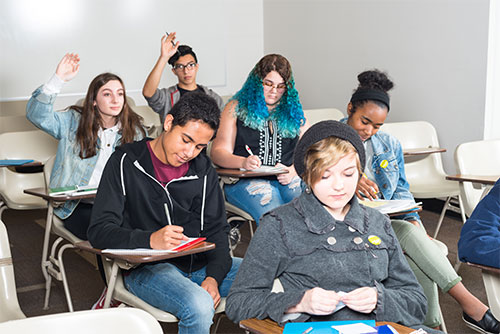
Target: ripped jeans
{"type": "Point", "coordinates": [258, 196]}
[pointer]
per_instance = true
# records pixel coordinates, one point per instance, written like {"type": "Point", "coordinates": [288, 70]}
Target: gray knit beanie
{"type": "Point", "coordinates": [322, 130]}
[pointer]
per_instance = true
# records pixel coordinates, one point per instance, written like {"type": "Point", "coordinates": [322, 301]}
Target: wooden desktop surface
{"type": "Point", "coordinates": [136, 259]}
{"type": "Point", "coordinates": [244, 173]}
{"type": "Point", "coordinates": [421, 151]}
{"type": "Point", "coordinates": [43, 193]}
{"type": "Point", "coordinates": [267, 326]}
{"type": "Point", "coordinates": [483, 179]}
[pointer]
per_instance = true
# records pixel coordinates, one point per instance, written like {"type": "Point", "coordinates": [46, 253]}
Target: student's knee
{"type": "Point", "coordinates": [260, 188]}
{"type": "Point", "coordinates": [198, 309]}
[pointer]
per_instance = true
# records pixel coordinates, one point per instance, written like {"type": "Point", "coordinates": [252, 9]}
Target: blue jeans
{"type": "Point", "coordinates": [258, 196]}
{"type": "Point", "coordinates": [164, 286]}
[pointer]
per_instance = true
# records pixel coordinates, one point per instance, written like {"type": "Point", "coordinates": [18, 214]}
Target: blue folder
{"type": "Point", "coordinates": [321, 327]}
{"type": "Point", "coordinates": [14, 162]}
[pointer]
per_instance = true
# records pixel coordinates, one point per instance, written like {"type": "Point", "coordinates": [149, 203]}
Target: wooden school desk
{"type": "Point", "coordinates": [408, 152]}
{"type": "Point", "coordinates": [487, 180]}
{"type": "Point", "coordinates": [238, 173]}
{"type": "Point", "coordinates": [267, 326]}
{"type": "Point", "coordinates": [130, 261]}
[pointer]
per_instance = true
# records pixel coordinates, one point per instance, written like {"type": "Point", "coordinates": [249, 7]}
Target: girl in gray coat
{"type": "Point", "coordinates": [336, 259]}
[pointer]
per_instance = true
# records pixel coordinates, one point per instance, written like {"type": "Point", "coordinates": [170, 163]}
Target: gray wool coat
{"type": "Point", "coordinates": [305, 247]}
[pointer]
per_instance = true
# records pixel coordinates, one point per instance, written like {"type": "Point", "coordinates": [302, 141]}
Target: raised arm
{"type": "Point", "coordinates": [168, 49]}
{"type": "Point", "coordinates": [223, 144]}
{"type": "Point", "coordinates": [68, 67]}
{"type": "Point", "coordinates": [40, 107]}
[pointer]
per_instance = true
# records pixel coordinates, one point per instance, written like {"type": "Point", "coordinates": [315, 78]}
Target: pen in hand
{"type": "Point", "coordinates": [248, 150]}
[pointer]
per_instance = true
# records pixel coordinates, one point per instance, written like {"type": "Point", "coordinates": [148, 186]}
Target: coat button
{"type": "Point", "coordinates": [331, 240]}
{"type": "Point", "coordinates": [357, 240]}
{"type": "Point", "coordinates": [385, 186]}
{"type": "Point", "coordinates": [351, 229]}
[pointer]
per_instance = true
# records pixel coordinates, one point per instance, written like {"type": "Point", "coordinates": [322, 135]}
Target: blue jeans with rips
{"type": "Point", "coordinates": [164, 286]}
{"type": "Point", "coordinates": [258, 196]}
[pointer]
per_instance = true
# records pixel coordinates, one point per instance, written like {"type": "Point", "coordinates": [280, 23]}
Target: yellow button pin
{"type": "Point", "coordinates": [373, 239]}
{"type": "Point", "coordinates": [384, 163]}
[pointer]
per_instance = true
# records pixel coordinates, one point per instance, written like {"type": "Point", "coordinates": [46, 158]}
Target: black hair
{"type": "Point", "coordinates": [182, 51]}
{"type": "Point", "coordinates": [196, 106]}
{"type": "Point", "coordinates": [374, 81]}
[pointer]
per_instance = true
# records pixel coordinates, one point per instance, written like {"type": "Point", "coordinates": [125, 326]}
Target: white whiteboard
{"type": "Point", "coordinates": [119, 36]}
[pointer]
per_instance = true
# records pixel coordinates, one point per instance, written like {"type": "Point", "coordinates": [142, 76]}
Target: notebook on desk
{"type": "Point", "coordinates": [147, 251]}
{"type": "Point", "coordinates": [14, 162]}
{"type": "Point", "coordinates": [390, 206]}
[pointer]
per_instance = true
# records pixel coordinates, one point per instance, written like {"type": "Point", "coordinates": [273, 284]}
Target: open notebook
{"type": "Point", "coordinates": [391, 206]}
{"type": "Point", "coordinates": [147, 251]}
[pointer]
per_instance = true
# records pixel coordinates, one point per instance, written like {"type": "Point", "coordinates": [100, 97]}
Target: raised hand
{"type": "Point", "coordinates": [168, 46]}
{"type": "Point", "coordinates": [68, 67]}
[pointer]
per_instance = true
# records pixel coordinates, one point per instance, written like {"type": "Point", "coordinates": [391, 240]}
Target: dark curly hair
{"type": "Point", "coordinates": [372, 79]}
{"type": "Point", "coordinates": [196, 106]}
{"type": "Point", "coordinates": [182, 51]}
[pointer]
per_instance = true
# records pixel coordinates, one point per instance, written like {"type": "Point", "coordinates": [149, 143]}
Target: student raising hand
{"type": "Point", "coordinates": [68, 67]}
{"type": "Point", "coordinates": [168, 46]}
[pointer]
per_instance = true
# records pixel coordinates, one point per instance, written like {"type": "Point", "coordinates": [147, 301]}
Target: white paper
{"type": "Point", "coordinates": [266, 169]}
{"type": "Point", "coordinates": [390, 206]}
{"type": "Point", "coordinates": [358, 328]}
{"type": "Point", "coordinates": [145, 251]}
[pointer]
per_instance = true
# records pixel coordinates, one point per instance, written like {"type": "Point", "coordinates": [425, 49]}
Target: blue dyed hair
{"type": "Point", "coordinates": [252, 109]}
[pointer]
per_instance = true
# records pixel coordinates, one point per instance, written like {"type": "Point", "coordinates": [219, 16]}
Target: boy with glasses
{"type": "Point", "coordinates": [185, 66]}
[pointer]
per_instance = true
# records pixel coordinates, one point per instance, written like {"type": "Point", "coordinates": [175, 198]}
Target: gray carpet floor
{"type": "Point", "coordinates": [26, 237]}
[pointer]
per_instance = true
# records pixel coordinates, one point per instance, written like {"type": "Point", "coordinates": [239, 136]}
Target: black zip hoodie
{"type": "Point", "coordinates": [131, 204]}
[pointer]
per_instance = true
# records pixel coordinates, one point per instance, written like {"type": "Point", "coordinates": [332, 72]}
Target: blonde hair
{"type": "Point", "coordinates": [322, 155]}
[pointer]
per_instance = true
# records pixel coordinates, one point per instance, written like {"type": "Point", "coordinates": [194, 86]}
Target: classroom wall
{"type": "Point", "coordinates": [434, 50]}
{"type": "Point", "coordinates": [123, 36]}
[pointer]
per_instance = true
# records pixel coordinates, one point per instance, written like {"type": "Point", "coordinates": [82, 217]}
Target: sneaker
{"type": "Point", "coordinates": [487, 325]}
{"type": "Point", "coordinates": [99, 304]}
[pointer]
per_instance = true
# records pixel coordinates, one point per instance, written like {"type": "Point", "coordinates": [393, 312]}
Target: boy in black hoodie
{"type": "Point", "coordinates": [157, 192]}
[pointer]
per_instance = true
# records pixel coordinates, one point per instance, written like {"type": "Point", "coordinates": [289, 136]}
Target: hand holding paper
{"type": "Point", "coordinates": [317, 301]}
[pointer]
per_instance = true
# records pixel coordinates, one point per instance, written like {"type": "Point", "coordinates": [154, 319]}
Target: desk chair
{"type": "Point", "coordinates": [476, 158]}
{"type": "Point", "coordinates": [491, 280]}
{"type": "Point", "coordinates": [425, 173]}
{"type": "Point", "coordinates": [36, 145]}
{"type": "Point", "coordinates": [117, 320]}
{"type": "Point", "coordinates": [235, 215]}
{"type": "Point", "coordinates": [116, 290]}
{"type": "Point", "coordinates": [53, 265]}
{"type": "Point", "coordinates": [317, 115]}
{"type": "Point", "coordinates": [8, 295]}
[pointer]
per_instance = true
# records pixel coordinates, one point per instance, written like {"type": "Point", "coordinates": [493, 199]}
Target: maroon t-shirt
{"type": "Point", "coordinates": [165, 173]}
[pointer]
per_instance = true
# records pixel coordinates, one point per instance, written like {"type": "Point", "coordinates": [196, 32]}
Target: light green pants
{"type": "Point", "coordinates": [429, 264]}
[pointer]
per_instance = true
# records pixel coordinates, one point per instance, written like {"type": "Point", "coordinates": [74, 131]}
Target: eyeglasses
{"type": "Point", "coordinates": [270, 85]}
{"type": "Point", "coordinates": [181, 67]}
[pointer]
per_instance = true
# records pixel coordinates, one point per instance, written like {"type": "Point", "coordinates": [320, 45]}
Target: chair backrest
{"type": "Point", "coordinates": [476, 158]}
{"type": "Point", "coordinates": [317, 115]}
{"type": "Point", "coordinates": [35, 145]}
{"type": "Point", "coordinates": [418, 134]}
{"type": "Point", "coordinates": [122, 320]}
{"type": "Point", "coordinates": [8, 296]}
{"type": "Point", "coordinates": [15, 124]}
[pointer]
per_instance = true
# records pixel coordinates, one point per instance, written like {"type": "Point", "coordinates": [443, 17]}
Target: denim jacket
{"type": "Point", "coordinates": [391, 180]}
{"type": "Point", "coordinates": [69, 169]}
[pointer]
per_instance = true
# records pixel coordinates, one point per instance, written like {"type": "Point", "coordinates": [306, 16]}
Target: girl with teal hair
{"type": "Point", "coordinates": [260, 126]}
